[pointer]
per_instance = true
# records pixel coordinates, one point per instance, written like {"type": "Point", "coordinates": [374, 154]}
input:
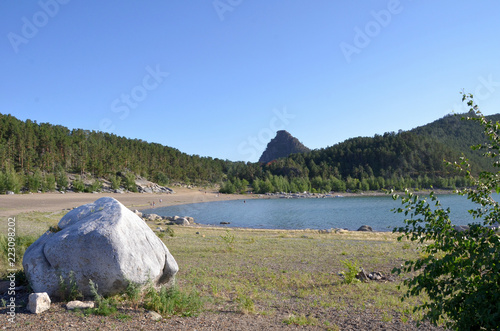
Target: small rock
{"type": "Point", "coordinates": [38, 302]}
{"type": "Point", "coordinates": [181, 221]}
{"type": "Point", "coordinates": [225, 222]}
{"type": "Point", "coordinates": [79, 305]}
{"type": "Point", "coordinates": [362, 276]}
{"type": "Point", "coordinates": [375, 276]}
{"type": "Point", "coordinates": [154, 315]}
{"type": "Point", "coordinates": [365, 228]}
{"type": "Point", "coordinates": [4, 286]}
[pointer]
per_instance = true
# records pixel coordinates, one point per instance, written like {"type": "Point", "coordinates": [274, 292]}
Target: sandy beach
{"type": "Point", "coordinates": [12, 205]}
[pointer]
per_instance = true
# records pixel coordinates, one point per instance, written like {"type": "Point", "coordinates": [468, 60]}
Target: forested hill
{"type": "Point", "coordinates": [393, 160]}
{"type": "Point", "coordinates": [39, 157]}
{"type": "Point", "coordinates": [26, 147]}
{"type": "Point", "coordinates": [459, 134]}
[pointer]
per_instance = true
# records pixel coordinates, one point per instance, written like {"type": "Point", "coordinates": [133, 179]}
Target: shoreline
{"type": "Point", "coordinates": [13, 205]}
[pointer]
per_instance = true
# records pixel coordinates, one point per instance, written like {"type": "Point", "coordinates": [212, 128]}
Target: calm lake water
{"type": "Point", "coordinates": [346, 213]}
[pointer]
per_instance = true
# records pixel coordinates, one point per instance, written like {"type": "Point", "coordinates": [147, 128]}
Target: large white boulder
{"type": "Point", "coordinates": [104, 242]}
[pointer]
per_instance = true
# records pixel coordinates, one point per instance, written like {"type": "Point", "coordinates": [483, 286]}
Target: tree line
{"type": "Point", "coordinates": [39, 157]}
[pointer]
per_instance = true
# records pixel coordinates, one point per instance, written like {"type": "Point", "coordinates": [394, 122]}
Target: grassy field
{"type": "Point", "coordinates": [294, 272]}
{"type": "Point", "coordinates": [276, 272]}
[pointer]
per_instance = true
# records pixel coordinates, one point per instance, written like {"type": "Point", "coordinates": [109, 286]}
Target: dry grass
{"type": "Point", "coordinates": [268, 271]}
{"type": "Point", "coordinates": [279, 272]}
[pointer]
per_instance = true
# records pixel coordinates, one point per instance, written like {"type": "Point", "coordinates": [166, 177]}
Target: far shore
{"type": "Point", "coordinates": [12, 205]}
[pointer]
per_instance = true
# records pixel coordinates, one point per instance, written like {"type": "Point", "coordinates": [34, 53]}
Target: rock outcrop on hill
{"type": "Point", "coordinates": [104, 242]}
{"type": "Point", "coordinates": [282, 145]}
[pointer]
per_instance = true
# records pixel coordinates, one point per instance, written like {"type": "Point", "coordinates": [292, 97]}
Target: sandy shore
{"type": "Point", "coordinates": [12, 205]}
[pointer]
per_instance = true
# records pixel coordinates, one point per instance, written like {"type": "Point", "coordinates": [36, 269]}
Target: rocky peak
{"type": "Point", "coordinates": [282, 145]}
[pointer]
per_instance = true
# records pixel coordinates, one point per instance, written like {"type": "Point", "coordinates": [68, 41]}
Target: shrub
{"type": "Point", "coordinates": [459, 271]}
{"type": "Point", "coordinates": [171, 301]}
{"type": "Point", "coordinates": [68, 288]}
{"type": "Point", "coordinates": [104, 306]}
{"type": "Point", "coordinates": [351, 273]}
{"type": "Point", "coordinates": [78, 185]}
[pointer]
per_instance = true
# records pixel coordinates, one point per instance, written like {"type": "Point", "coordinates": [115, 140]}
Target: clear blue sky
{"type": "Point", "coordinates": [218, 78]}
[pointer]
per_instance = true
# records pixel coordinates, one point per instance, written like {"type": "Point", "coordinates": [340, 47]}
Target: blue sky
{"type": "Point", "coordinates": [218, 78]}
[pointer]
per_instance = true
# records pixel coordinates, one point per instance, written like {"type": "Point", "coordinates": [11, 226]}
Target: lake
{"type": "Point", "coordinates": [339, 212]}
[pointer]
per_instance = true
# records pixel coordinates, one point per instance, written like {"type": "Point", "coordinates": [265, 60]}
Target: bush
{"type": "Point", "coordinates": [171, 301]}
{"type": "Point", "coordinates": [49, 183]}
{"type": "Point", "coordinates": [78, 185]}
{"type": "Point", "coordinates": [130, 182]}
{"type": "Point", "coordinates": [459, 271]}
{"type": "Point", "coordinates": [349, 276]}
{"type": "Point", "coordinates": [115, 182]}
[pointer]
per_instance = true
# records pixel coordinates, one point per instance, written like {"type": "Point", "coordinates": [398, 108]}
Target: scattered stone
{"type": "Point", "coordinates": [4, 286]}
{"type": "Point", "coordinates": [181, 221]}
{"type": "Point", "coordinates": [152, 217]}
{"type": "Point", "coordinates": [154, 315]}
{"type": "Point", "coordinates": [72, 305]}
{"type": "Point", "coordinates": [38, 302]}
{"type": "Point", "coordinates": [362, 276]}
{"type": "Point", "coordinates": [225, 223]}
{"type": "Point", "coordinates": [10, 193]}
{"type": "Point", "coordinates": [103, 241]}
{"type": "Point", "coordinates": [365, 228]}
{"type": "Point", "coordinates": [375, 276]}
{"type": "Point", "coordinates": [159, 229]}
{"type": "Point", "coordinates": [138, 213]}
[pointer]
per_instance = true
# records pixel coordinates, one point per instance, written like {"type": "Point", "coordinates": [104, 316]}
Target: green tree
{"type": "Point", "coordinates": [130, 182]}
{"type": "Point", "coordinates": [115, 182]}
{"type": "Point", "coordinates": [228, 188]}
{"type": "Point", "coordinates": [78, 185]}
{"type": "Point", "coordinates": [458, 270]}
{"type": "Point", "coordinates": [3, 186]}
{"type": "Point", "coordinates": [49, 183]}
{"type": "Point", "coordinates": [13, 181]}
{"type": "Point", "coordinates": [34, 181]}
